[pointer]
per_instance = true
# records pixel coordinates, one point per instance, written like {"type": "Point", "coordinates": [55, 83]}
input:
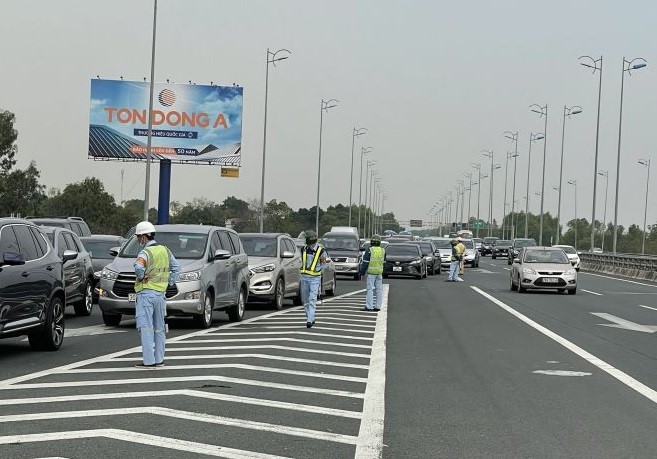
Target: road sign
{"type": "Point", "coordinates": [230, 172]}
{"type": "Point", "coordinates": [478, 224]}
{"type": "Point", "coordinates": [415, 223]}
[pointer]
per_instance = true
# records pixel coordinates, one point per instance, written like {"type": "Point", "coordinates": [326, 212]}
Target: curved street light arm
{"type": "Point", "coordinates": [632, 66]}
{"type": "Point", "coordinates": [275, 59]}
{"type": "Point", "coordinates": [541, 109]}
{"type": "Point", "coordinates": [574, 110]}
{"type": "Point", "coordinates": [593, 61]}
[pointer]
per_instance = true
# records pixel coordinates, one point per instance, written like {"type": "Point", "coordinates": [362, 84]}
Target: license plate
{"type": "Point", "coordinates": [396, 268]}
{"type": "Point", "coordinates": [132, 297]}
{"type": "Point", "coordinates": [550, 280]}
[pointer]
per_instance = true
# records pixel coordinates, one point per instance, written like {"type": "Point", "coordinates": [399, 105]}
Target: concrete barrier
{"type": "Point", "coordinates": [625, 265]}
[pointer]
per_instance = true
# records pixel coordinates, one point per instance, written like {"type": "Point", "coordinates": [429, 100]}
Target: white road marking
{"type": "Point", "coordinates": [137, 437]}
{"type": "Point", "coordinates": [624, 324]}
{"type": "Point", "coordinates": [562, 373]}
{"type": "Point", "coordinates": [647, 307]}
{"type": "Point", "coordinates": [318, 326]}
{"type": "Point", "coordinates": [370, 435]}
{"type": "Point", "coordinates": [592, 293]}
{"type": "Point", "coordinates": [629, 381]}
{"type": "Point", "coordinates": [269, 340]}
{"type": "Point", "coordinates": [295, 324]}
{"type": "Point", "coordinates": [92, 330]}
{"type": "Point", "coordinates": [230, 348]}
{"type": "Point", "coordinates": [323, 316]}
{"type": "Point", "coordinates": [323, 335]}
{"type": "Point", "coordinates": [622, 280]}
{"type": "Point", "coordinates": [507, 269]}
{"type": "Point", "coordinates": [337, 315]}
{"type": "Point", "coordinates": [188, 393]}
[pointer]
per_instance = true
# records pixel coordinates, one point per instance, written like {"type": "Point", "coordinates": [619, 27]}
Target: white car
{"type": "Point", "coordinates": [543, 268]}
{"type": "Point", "coordinates": [572, 255]}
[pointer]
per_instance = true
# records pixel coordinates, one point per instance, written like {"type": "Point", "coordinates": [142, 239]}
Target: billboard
{"type": "Point", "coordinates": [191, 123]}
{"type": "Point", "coordinates": [415, 223]}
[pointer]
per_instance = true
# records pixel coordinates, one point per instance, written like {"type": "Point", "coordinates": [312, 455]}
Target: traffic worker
{"type": "Point", "coordinates": [313, 259]}
{"type": "Point", "coordinates": [462, 249]}
{"type": "Point", "coordinates": [457, 255]}
{"type": "Point", "coordinates": [372, 267]}
{"type": "Point", "coordinates": [155, 269]}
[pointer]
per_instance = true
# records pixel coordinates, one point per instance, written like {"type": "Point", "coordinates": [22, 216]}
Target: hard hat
{"type": "Point", "coordinates": [311, 236]}
{"type": "Point", "coordinates": [459, 239]}
{"type": "Point", "coordinates": [144, 228]}
{"type": "Point", "coordinates": [376, 237]}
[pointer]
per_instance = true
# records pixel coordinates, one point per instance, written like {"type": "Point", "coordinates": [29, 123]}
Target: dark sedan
{"type": "Point", "coordinates": [429, 252]}
{"type": "Point", "coordinates": [99, 246]}
{"type": "Point", "coordinates": [487, 245]}
{"type": "Point", "coordinates": [404, 260]}
{"type": "Point", "coordinates": [500, 248]}
{"type": "Point", "coordinates": [518, 244]}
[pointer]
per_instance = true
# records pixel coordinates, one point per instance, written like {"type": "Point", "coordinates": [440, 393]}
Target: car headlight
{"type": "Point", "coordinates": [108, 274]}
{"type": "Point", "coordinates": [352, 260]}
{"type": "Point", "coordinates": [528, 271]}
{"type": "Point", "coordinates": [264, 268]}
{"type": "Point", "coordinates": [97, 274]}
{"type": "Point", "coordinates": [416, 262]}
{"type": "Point", "coordinates": [189, 276]}
{"type": "Point", "coordinates": [569, 272]}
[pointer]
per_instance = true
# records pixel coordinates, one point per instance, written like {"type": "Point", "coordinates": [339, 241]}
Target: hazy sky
{"type": "Point", "coordinates": [435, 82]}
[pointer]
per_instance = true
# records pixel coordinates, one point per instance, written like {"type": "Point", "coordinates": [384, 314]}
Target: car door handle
{"type": "Point", "coordinates": [25, 273]}
{"type": "Point", "coordinates": [49, 268]}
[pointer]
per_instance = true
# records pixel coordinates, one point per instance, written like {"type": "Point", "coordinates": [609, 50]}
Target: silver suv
{"type": "Point", "coordinates": [214, 275]}
{"type": "Point", "coordinates": [274, 262]}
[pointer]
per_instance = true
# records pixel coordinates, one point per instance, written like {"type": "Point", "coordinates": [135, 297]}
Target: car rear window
{"type": "Point", "coordinates": [259, 246]}
{"type": "Point", "coordinates": [182, 245]}
{"type": "Point", "coordinates": [398, 249]}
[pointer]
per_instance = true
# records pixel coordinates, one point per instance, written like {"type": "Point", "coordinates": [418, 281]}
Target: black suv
{"type": "Point", "coordinates": [75, 224]}
{"type": "Point", "coordinates": [516, 245]}
{"type": "Point", "coordinates": [32, 293]}
{"type": "Point", "coordinates": [500, 248]}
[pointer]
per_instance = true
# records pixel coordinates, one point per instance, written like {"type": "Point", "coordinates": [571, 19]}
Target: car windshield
{"type": "Point", "coordinates": [525, 243]}
{"type": "Point", "coordinates": [426, 249]}
{"type": "Point", "coordinates": [489, 240]}
{"type": "Point", "coordinates": [502, 242]}
{"type": "Point", "coordinates": [100, 249]}
{"type": "Point", "coordinates": [442, 244]}
{"type": "Point", "coordinates": [259, 246]}
{"type": "Point", "coordinates": [546, 256]}
{"type": "Point", "coordinates": [182, 245]}
{"type": "Point", "coordinates": [403, 250]}
{"type": "Point", "coordinates": [340, 243]}
{"type": "Point", "coordinates": [569, 249]}
{"type": "Point", "coordinates": [468, 243]}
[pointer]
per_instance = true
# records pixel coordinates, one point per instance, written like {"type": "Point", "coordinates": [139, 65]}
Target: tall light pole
{"type": "Point", "coordinates": [363, 151]}
{"type": "Point", "coordinates": [543, 112]}
{"type": "Point", "coordinates": [478, 167]}
{"type": "Point", "coordinates": [646, 163]}
{"type": "Point", "coordinates": [150, 118]}
{"type": "Point", "coordinates": [605, 174]}
{"type": "Point", "coordinates": [567, 113]}
{"type": "Point", "coordinates": [270, 58]}
{"type": "Point", "coordinates": [509, 155]}
{"type": "Point", "coordinates": [354, 133]}
{"type": "Point", "coordinates": [513, 136]}
{"type": "Point", "coordinates": [489, 154]}
{"type": "Point", "coordinates": [365, 201]}
{"type": "Point", "coordinates": [324, 107]}
{"type": "Point", "coordinates": [628, 66]}
{"type": "Point", "coordinates": [532, 138]}
{"type": "Point", "coordinates": [469, 176]}
{"type": "Point", "coordinates": [595, 64]}
{"type": "Point", "coordinates": [574, 183]}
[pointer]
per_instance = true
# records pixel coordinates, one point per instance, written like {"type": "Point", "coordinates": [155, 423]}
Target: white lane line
{"type": "Point", "coordinates": [270, 347]}
{"type": "Point", "coordinates": [269, 340]}
{"type": "Point", "coordinates": [647, 307]}
{"type": "Point", "coordinates": [188, 393]}
{"type": "Point", "coordinates": [324, 317]}
{"type": "Point", "coordinates": [295, 324]}
{"type": "Point", "coordinates": [507, 269]}
{"type": "Point", "coordinates": [323, 335]}
{"type": "Point", "coordinates": [616, 278]}
{"type": "Point", "coordinates": [251, 356]}
{"type": "Point", "coordinates": [238, 366]}
{"type": "Point", "coordinates": [370, 435]}
{"type": "Point", "coordinates": [188, 415]}
{"type": "Point", "coordinates": [626, 379]}
{"type": "Point", "coordinates": [334, 315]}
{"type": "Point", "coordinates": [319, 326]}
{"type": "Point", "coordinates": [137, 437]}
{"type": "Point", "coordinates": [592, 293]}
{"type": "Point", "coordinates": [123, 382]}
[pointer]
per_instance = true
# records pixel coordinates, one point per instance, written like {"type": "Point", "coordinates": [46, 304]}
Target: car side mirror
{"type": "Point", "coordinates": [114, 251]}
{"type": "Point", "coordinates": [69, 255]}
{"type": "Point", "coordinates": [222, 254]}
{"type": "Point", "coordinates": [287, 254]}
{"type": "Point", "coordinates": [12, 259]}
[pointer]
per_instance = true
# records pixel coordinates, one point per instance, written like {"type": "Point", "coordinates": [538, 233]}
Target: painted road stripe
{"type": "Point", "coordinates": [592, 293]}
{"type": "Point", "coordinates": [188, 393]}
{"type": "Point", "coordinates": [295, 324]}
{"type": "Point", "coordinates": [629, 381]}
{"type": "Point", "coordinates": [647, 307]}
{"type": "Point", "coordinates": [269, 347]}
{"type": "Point", "coordinates": [269, 340]}
{"type": "Point", "coordinates": [324, 317]}
{"type": "Point", "coordinates": [323, 335]}
{"type": "Point", "coordinates": [622, 280]}
{"type": "Point", "coordinates": [318, 326]}
{"type": "Point", "coordinates": [137, 437]}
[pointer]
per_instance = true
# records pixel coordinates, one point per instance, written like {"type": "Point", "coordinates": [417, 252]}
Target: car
{"type": "Point", "coordinates": [78, 272]}
{"type": "Point", "coordinates": [99, 247]}
{"type": "Point", "coordinates": [214, 275]}
{"type": "Point", "coordinates": [516, 245]}
{"type": "Point", "coordinates": [572, 255]}
{"type": "Point", "coordinates": [479, 243]}
{"type": "Point", "coordinates": [500, 248]}
{"type": "Point", "coordinates": [329, 280]}
{"type": "Point", "coordinates": [429, 252]}
{"type": "Point", "coordinates": [31, 285]}
{"type": "Point", "coordinates": [75, 224]}
{"type": "Point", "coordinates": [274, 263]}
{"type": "Point", "coordinates": [471, 255]}
{"type": "Point", "coordinates": [404, 260]}
{"type": "Point", "coordinates": [543, 268]}
{"type": "Point", "coordinates": [487, 245]}
{"type": "Point", "coordinates": [443, 247]}
{"type": "Point", "coordinates": [400, 239]}
{"type": "Point", "coordinates": [344, 250]}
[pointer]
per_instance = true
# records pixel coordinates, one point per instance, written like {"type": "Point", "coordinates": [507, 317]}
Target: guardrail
{"type": "Point", "coordinates": [627, 265]}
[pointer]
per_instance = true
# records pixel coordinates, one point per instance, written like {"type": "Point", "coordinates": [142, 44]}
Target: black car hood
{"type": "Point", "coordinates": [401, 258]}
{"type": "Point", "coordinates": [344, 253]}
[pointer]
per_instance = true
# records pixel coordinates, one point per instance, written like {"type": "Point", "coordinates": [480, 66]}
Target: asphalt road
{"type": "Point", "coordinates": [466, 369]}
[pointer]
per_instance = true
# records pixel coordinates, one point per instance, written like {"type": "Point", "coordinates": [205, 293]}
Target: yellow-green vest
{"type": "Point", "coordinates": [312, 270]}
{"type": "Point", "coordinates": [377, 255]}
{"type": "Point", "coordinates": [158, 270]}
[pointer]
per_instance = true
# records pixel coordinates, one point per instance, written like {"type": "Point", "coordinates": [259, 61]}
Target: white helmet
{"type": "Point", "coordinates": [144, 228]}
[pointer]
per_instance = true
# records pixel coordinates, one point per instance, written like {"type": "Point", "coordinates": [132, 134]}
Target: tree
{"type": "Point", "coordinates": [8, 136]}
{"type": "Point", "coordinates": [20, 192]}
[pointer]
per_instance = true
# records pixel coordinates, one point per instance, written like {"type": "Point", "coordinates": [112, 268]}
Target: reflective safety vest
{"type": "Point", "coordinates": [313, 270]}
{"type": "Point", "coordinates": [377, 255]}
{"type": "Point", "coordinates": [158, 270]}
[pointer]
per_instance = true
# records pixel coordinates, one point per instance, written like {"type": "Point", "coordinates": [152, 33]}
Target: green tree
{"type": "Point", "coordinates": [8, 136]}
{"type": "Point", "coordinates": [20, 192]}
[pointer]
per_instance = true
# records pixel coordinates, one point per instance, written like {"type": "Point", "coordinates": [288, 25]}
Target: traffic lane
{"type": "Point", "coordinates": [574, 317]}
{"type": "Point", "coordinates": [459, 383]}
{"type": "Point", "coordinates": [16, 357]}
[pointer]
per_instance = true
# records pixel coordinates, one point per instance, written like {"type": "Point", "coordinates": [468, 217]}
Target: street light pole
{"type": "Point", "coordinates": [574, 183]}
{"type": "Point", "coordinates": [469, 176]}
{"type": "Point", "coordinates": [324, 107]}
{"type": "Point", "coordinates": [363, 151]}
{"type": "Point", "coordinates": [513, 136]}
{"type": "Point", "coordinates": [506, 179]}
{"type": "Point", "coordinates": [628, 66]}
{"type": "Point", "coordinates": [150, 119]}
{"type": "Point", "coordinates": [478, 167]}
{"type": "Point", "coordinates": [567, 112]}
{"type": "Point", "coordinates": [489, 154]}
{"type": "Point", "coordinates": [354, 133]}
{"type": "Point", "coordinates": [542, 111]}
{"type": "Point", "coordinates": [605, 174]}
{"type": "Point", "coordinates": [646, 163]}
{"type": "Point", "coordinates": [532, 138]}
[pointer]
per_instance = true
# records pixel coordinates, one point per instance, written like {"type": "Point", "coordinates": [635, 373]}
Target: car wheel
{"type": "Point", "coordinates": [84, 307]}
{"type": "Point", "coordinates": [521, 289]}
{"type": "Point", "coordinates": [51, 336]}
{"type": "Point", "coordinates": [111, 320]}
{"type": "Point", "coordinates": [236, 312]}
{"type": "Point", "coordinates": [494, 257]}
{"type": "Point", "coordinates": [204, 320]}
{"type": "Point", "coordinates": [572, 291]}
{"type": "Point", "coordinates": [279, 294]}
{"type": "Point", "coordinates": [334, 286]}
{"type": "Point", "coordinates": [513, 285]}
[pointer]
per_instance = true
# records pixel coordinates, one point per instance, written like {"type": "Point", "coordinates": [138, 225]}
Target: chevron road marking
{"type": "Point", "coordinates": [252, 356]}
{"type": "Point", "coordinates": [295, 333]}
{"type": "Point", "coordinates": [268, 340]}
{"type": "Point", "coordinates": [230, 348]}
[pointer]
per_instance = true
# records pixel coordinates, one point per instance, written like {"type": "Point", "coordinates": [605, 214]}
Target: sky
{"type": "Point", "coordinates": [434, 82]}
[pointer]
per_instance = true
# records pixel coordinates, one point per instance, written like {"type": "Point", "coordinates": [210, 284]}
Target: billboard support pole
{"type": "Point", "coordinates": [150, 119]}
{"type": "Point", "coordinates": [164, 195]}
